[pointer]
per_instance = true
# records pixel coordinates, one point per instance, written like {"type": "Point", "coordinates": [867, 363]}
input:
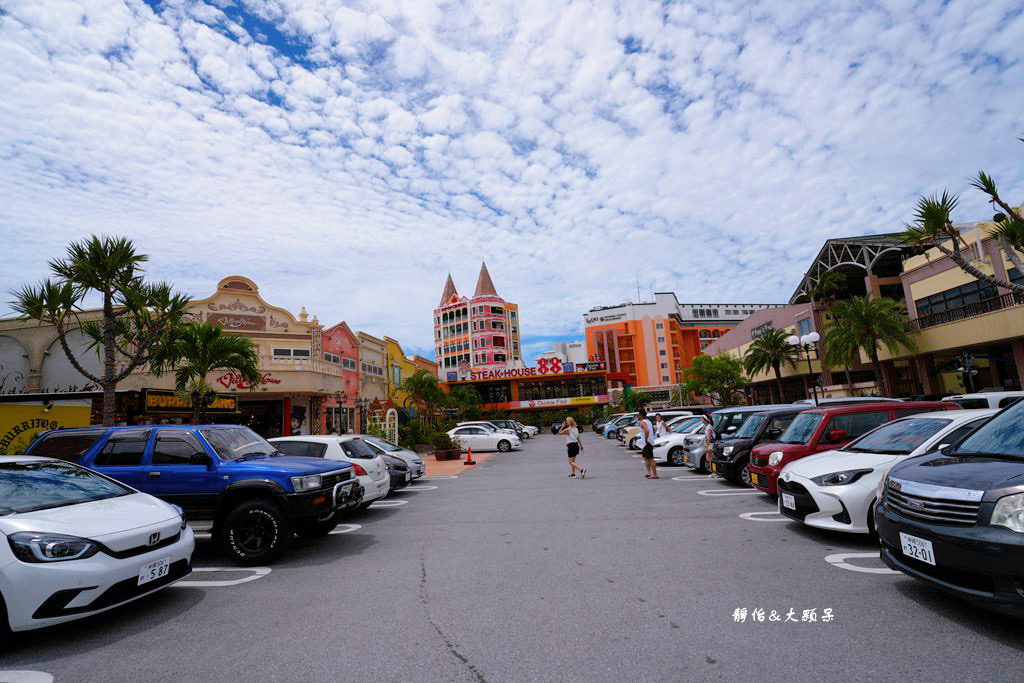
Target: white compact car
{"type": "Point", "coordinates": [370, 468]}
{"type": "Point", "coordinates": [671, 448]}
{"type": "Point", "coordinates": [529, 430]}
{"type": "Point", "coordinates": [487, 425]}
{"type": "Point", "coordinates": [75, 543]}
{"type": "Point", "coordinates": [479, 438]}
{"type": "Point", "coordinates": [411, 458]}
{"type": "Point", "coordinates": [837, 489]}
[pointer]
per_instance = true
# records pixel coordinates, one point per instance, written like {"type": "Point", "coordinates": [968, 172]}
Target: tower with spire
{"type": "Point", "coordinates": [478, 333]}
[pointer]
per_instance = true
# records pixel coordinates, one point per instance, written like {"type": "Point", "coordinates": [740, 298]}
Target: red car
{"type": "Point", "coordinates": [822, 429]}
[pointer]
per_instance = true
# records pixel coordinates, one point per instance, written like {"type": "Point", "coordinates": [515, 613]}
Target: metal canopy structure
{"type": "Point", "coordinates": [856, 258]}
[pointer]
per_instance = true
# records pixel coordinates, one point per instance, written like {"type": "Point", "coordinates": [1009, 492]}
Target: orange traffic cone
{"type": "Point", "coordinates": [469, 457]}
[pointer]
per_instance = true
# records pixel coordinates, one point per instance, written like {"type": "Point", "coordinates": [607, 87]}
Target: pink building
{"type": "Point", "coordinates": [481, 332]}
{"type": "Point", "coordinates": [341, 348]}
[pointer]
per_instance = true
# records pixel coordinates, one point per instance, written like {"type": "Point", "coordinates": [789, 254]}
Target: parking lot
{"type": "Point", "coordinates": [512, 571]}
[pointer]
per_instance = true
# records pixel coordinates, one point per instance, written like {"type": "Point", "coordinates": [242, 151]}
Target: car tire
{"type": "Point", "coordinates": [612, 434]}
{"type": "Point", "coordinates": [675, 457]}
{"type": "Point", "coordinates": [744, 474]}
{"type": "Point", "coordinates": [632, 444]}
{"type": "Point", "coordinates": [702, 467]}
{"type": "Point", "coordinates": [317, 528]}
{"type": "Point", "coordinates": [5, 626]}
{"type": "Point", "coordinates": [504, 446]}
{"type": "Point", "coordinates": [255, 532]}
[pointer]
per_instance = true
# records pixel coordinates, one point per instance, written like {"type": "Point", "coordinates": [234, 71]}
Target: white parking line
{"type": "Point", "coordinates": [438, 477]}
{"type": "Point", "coordinates": [346, 528]}
{"type": "Point", "coordinates": [25, 676]}
{"type": "Point", "coordinates": [690, 477]}
{"type": "Point", "coordinates": [417, 488]}
{"type": "Point", "coordinates": [255, 573]}
{"type": "Point", "coordinates": [719, 492]}
{"type": "Point", "coordinates": [387, 503]}
{"type": "Point", "coordinates": [760, 516]}
{"type": "Point", "coordinates": [839, 560]}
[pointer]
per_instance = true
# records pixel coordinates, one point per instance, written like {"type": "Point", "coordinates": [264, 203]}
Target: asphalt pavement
{"type": "Point", "coordinates": [514, 572]}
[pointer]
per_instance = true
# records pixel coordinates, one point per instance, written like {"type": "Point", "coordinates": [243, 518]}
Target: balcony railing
{"type": "Point", "coordinates": [969, 311]}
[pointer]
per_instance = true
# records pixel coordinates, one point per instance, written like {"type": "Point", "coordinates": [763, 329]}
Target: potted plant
{"type": "Point", "coordinates": [446, 447]}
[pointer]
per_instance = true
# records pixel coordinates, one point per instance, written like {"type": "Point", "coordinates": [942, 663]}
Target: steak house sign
{"type": "Point", "coordinates": [545, 366]}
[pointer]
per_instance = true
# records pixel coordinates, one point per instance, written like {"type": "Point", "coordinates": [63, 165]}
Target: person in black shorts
{"type": "Point", "coordinates": [573, 447]}
{"type": "Point", "coordinates": [646, 443]}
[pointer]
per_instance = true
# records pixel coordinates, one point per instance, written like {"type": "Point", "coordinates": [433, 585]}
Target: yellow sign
{"type": "Point", "coordinates": [20, 423]}
{"type": "Point", "coordinates": [582, 400]}
{"type": "Point", "coordinates": [163, 401]}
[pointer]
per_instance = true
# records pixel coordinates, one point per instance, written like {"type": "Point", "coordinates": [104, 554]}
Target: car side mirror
{"type": "Point", "coordinates": [730, 429]}
{"type": "Point", "coordinates": [837, 435]}
{"type": "Point", "coordinates": [200, 458]}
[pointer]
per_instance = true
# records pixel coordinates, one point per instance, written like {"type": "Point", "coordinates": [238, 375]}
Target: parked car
{"type": "Point", "coordinates": [411, 458]}
{"type": "Point", "coordinates": [76, 543]}
{"type": "Point", "coordinates": [845, 401]}
{"type": "Point", "coordinates": [479, 438]}
{"type": "Point", "coordinates": [610, 429]}
{"type": "Point", "coordinates": [726, 422]}
{"type": "Point", "coordinates": [628, 436]}
{"type": "Point", "coordinates": [986, 399]}
{"type": "Point", "coordinates": [229, 480]}
{"type": "Point", "coordinates": [529, 430]}
{"type": "Point", "coordinates": [488, 425]}
{"type": "Point", "coordinates": [837, 489]}
{"type": "Point", "coordinates": [511, 425]}
{"type": "Point", "coordinates": [671, 448]}
{"type": "Point", "coordinates": [730, 457]}
{"type": "Point", "coordinates": [955, 519]}
{"type": "Point", "coordinates": [399, 472]}
{"type": "Point", "coordinates": [368, 464]}
{"type": "Point", "coordinates": [822, 429]}
{"type": "Point", "coordinates": [556, 427]}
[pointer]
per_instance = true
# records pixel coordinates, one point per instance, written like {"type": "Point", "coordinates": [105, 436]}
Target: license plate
{"type": "Point", "coordinates": [917, 548]}
{"type": "Point", "coordinates": [753, 478]}
{"type": "Point", "coordinates": [788, 501]}
{"type": "Point", "coordinates": [408, 476]}
{"type": "Point", "coordinates": [154, 570]}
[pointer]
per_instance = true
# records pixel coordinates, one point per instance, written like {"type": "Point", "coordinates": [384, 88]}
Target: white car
{"type": "Point", "coordinates": [370, 468]}
{"type": "Point", "coordinates": [411, 458]}
{"type": "Point", "coordinates": [837, 489]}
{"type": "Point", "coordinates": [671, 448]}
{"type": "Point", "coordinates": [479, 438]}
{"type": "Point", "coordinates": [986, 399]}
{"type": "Point", "coordinates": [76, 543]}
{"type": "Point", "coordinates": [487, 425]}
{"type": "Point", "coordinates": [529, 430]}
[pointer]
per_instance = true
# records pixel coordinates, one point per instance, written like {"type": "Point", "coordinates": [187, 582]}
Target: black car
{"type": "Point", "coordinates": [730, 457]}
{"type": "Point", "coordinates": [556, 427]}
{"type": "Point", "coordinates": [398, 470]}
{"type": "Point", "coordinates": [955, 518]}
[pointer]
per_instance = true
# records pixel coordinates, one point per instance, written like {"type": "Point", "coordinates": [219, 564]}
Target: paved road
{"type": "Point", "coordinates": [514, 572]}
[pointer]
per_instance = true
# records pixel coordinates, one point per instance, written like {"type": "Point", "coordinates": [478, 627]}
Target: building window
{"type": "Point", "coordinates": [661, 340]}
{"type": "Point", "coordinates": [515, 346]}
{"type": "Point", "coordinates": [514, 329]}
{"type": "Point", "coordinates": [958, 297]}
{"type": "Point", "coordinates": [282, 352]}
{"type": "Point", "coordinates": [803, 326]}
{"type": "Point", "coordinates": [332, 358]}
{"type": "Point", "coordinates": [348, 363]}
{"type": "Point", "coordinates": [662, 352]}
{"type": "Point", "coordinates": [495, 310]}
{"type": "Point", "coordinates": [659, 326]}
{"type": "Point", "coordinates": [396, 375]}
{"type": "Point", "coordinates": [664, 378]}
{"type": "Point", "coordinates": [664, 366]}
{"type": "Point", "coordinates": [499, 358]}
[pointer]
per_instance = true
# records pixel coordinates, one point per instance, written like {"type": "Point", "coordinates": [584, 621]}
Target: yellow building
{"type": "Point", "coordinates": [398, 368]}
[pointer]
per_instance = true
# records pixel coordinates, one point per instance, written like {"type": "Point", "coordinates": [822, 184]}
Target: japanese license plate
{"type": "Point", "coordinates": [788, 501]}
{"type": "Point", "coordinates": [154, 570]}
{"type": "Point", "coordinates": [753, 478]}
{"type": "Point", "coordinates": [917, 548]}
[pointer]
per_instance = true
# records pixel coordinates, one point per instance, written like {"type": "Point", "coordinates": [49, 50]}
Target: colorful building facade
{"type": "Point", "coordinates": [550, 385]}
{"type": "Point", "coordinates": [481, 332]}
{"type": "Point", "coordinates": [341, 411]}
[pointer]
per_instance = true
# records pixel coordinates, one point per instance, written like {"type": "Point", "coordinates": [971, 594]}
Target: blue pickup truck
{"type": "Point", "coordinates": [228, 479]}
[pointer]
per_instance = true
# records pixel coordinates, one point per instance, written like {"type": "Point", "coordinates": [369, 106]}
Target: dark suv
{"type": "Point", "coordinates": [955, 518]}
{"type": "Point", "coordinates": [227, 478]}
{"type": "Point", "coordinates": [731, 456]}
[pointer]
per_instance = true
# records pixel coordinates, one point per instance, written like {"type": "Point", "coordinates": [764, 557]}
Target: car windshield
{"type": "Point", "coordinates": [235, 443]}
{"type": "Point", "coordinates": [901, 437]}
{"type": "Point", "coordinates": [29, 486]}
{"type": "Point", "coordinates": [802, 428]}
{"type": "Point", "coordinates": [382, 444]}
{"type": "Point", "coordinates": [750, 427]}
{"type": "Point", "coordinates": [1002, 436]}
{"type": "Point", "coordinates": [685, 425]}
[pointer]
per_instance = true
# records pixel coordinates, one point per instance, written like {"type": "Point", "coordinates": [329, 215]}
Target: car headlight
{"type": "Point", "coordinates": [840, 478]}
{"type": "Point", "coordinates": [775, 458]}
{"type": "Point", "coordinates": [880, 491]}
{"type": "Point", "coordinates": [181, 513]}
{"type": "Point", "coordinates": [32, 546]}
{"type": "Point", "coordinates": [1009, 512]}
{"type": "Point", "coordinates": [309, 482]}
{"type": "Point", "coordinates": [727, 450]}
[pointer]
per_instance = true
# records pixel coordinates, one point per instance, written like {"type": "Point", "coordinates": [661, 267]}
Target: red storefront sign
{"type": "Point", "coordinates": [230, 380]}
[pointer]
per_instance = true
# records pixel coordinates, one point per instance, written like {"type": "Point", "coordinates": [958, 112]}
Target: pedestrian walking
{"type": "Point", "coordinates": [709, 437]}
{"type": "Point", "coordinates": [660, 427]}
{"type": "Point", "coordinates": [646, 444]}
{"type": "Point", "coordinates": [573, 447]}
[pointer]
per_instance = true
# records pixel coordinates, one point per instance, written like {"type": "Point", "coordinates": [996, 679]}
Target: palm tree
{"type": "Point", "coordinates": [423, 391]}
{"type": "Point", "coordinates": [198, 349]}
{"type": "Point", "coordinates": [841, 350]}
{"type": "Point", "coordinates": [829, 282]}
{"type": "Point", "coordinates": [863, 323]}
{"type": "Point", "coordinates": [137, 317]}
{"type": "Point", "coordinates": [770, 350]}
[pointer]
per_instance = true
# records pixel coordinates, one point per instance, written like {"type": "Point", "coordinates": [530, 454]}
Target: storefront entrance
{"type": "Point", "coordinates": [263, 417]}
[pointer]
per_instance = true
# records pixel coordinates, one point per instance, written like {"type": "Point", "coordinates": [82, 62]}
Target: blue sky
{"type": "Point", "coordinates": [347, 156]}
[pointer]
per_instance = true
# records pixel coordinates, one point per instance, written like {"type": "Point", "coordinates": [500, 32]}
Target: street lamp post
{"type": "Point", "coordinates": [807, 342]}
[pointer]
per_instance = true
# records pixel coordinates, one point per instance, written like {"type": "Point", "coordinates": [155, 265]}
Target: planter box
{"type": "Point", "coordinates": [452, 454]}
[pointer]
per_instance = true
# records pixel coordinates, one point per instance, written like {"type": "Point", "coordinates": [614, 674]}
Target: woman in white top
{"type": "Point", "coordinates": [660, 428]}
{"type": "Point", "coordinates": [573, 447]}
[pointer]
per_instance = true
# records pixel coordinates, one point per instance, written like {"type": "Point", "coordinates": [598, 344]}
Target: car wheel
{"type": "Point", "coordinates": [703, 466]}
{"type": "Point", "coordinates": [255, 532]}
{"type": "Point", "coordinates": [613, 434]}
{"type": "Point", "coordinates": [5, 625]}
{"type": "Point", "coordinates": [319, 528]}
{"type": "Point", "coordinates": [676, 457]}
{"type": "Point", "coordinates": [504, 446]}
{"type": "Point", "coordinates": [744, 474]}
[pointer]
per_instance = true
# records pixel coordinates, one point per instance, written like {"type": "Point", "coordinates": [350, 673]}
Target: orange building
{"type": "Point", "coordinates": [648, 346]}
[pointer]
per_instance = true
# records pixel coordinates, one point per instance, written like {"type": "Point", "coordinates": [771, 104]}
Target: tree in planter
{"type": "Point", "coordinates": [863, 323]}
{"type": "Point", "coordinates": [718, 377]}
{"type": "Point", "coordinates": [137, 317]}
{"type": "Point", "coordinates": [770, 350]}
{"type": "Point", "coordinates": [197, 349]}
{"type": "Point", "coordinates": [424, 393]}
